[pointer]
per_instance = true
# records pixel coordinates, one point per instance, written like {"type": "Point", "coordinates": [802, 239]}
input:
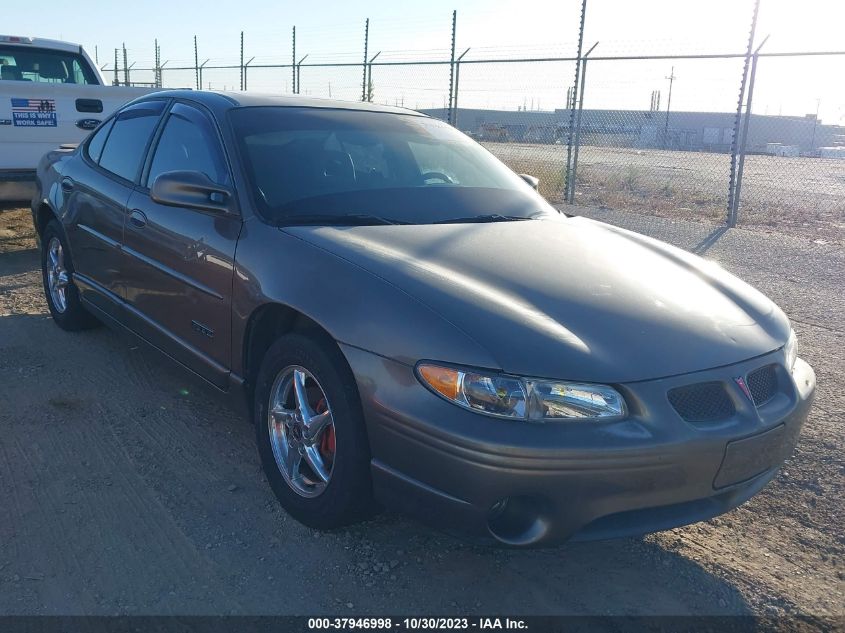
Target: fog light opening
{"type": "Point", "coordinates": [518, 520]}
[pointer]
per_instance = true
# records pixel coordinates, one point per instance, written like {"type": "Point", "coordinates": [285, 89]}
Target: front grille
{"type": "Point", "coordinates": [702, 402]}
{"type": "Point", "coordinates": [763, 384]}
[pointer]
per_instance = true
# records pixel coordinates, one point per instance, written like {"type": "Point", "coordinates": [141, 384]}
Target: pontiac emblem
{"type": "Point", "coordinates": [739, 380]}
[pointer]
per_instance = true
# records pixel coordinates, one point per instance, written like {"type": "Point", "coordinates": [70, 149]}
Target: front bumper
{"type": "Point", "coordinates": [579, 480]}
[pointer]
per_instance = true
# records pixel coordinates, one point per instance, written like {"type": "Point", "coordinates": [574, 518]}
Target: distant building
{"type": "Point", "coordinates": [690, 131]}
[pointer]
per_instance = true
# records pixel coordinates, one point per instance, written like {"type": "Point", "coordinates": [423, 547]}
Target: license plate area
{"type": "Point", "coordinates": [746, 458]}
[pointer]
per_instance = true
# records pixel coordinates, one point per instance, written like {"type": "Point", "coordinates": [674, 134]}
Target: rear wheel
{"type": "Point", "coordinates": [57, 273]}
{"type": "Point", "coordinates": [310, 432]}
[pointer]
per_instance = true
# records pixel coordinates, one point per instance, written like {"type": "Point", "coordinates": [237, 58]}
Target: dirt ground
{"type": "Point", "coordinates": [128, 487]}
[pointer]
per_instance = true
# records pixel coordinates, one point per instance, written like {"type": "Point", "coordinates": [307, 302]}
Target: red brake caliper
{"type": "Point", "coordinates": [327, 439]}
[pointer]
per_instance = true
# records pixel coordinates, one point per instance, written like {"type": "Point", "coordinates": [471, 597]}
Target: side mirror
{"type": "Point", "coordinates": [531, 180]}
{"type": "Point", "coordinates": [191, 189]}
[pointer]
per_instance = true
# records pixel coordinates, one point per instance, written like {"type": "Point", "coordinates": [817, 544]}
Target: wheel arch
{"type": "Point", "coordinates": [265, 325]}
{"type": "Point", "coordinates": [43, 214]}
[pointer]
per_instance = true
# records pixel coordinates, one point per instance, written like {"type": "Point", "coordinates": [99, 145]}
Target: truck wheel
{"type": "Point", "coordinates": [310, 432]}
{"type": "Point", "coordinates": [57, 274]}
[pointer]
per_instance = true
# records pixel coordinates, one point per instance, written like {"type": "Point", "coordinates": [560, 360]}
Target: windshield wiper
{"type": "Point", "coordinates": [328, 219]}
{"type": "Point", "coordinates": [493, 217]}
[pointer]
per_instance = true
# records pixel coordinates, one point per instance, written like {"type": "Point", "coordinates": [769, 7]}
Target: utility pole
{"type": "Point", "coordinates": [96, 55]}
{"type": "Point", "coordinates": [242, 60]}
{"type": "Point", "coordinates": [116, 81]}
{"type": "Point", "coordinates": [293, 63]}
{"type": "Point", "coordinates": [671, 79]}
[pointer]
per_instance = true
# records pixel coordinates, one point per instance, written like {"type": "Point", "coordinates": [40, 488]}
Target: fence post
{"type": "Point", "coordinates": [242, 60]}
{"type": "Point", "coordinates": [730, 220]}
{"type": "Point", "coordinates": [571, 197]}
{"type": "Point", "coordinates": [125, 67]}
{"type": "Point", "coordinates": [744, 140]}
{"type": "Point", "coordinates": [201, 67]}
{"type": "Point", "coordinates": [196, 63]}
{"type": "Point", "coordinates": [571, 105]}
{"type": "Point", "coordinates": [370, 90]}
{"type": "Point", "coordinates": [246, 67]}
{"type": "Point", "coordinates": [366, 54]}
{"type": "Point", "coordinates": [293, 63]}
{"type": "Point", "coordinates": [452, 71]}
{"type": "Point", "coordinates": [457, 84]}
{"type": "Point", "coordinates": [299, 74]}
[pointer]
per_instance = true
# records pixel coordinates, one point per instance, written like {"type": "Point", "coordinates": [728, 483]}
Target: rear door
{"type": "Point", "coordinates": [96, 187]}
{"type": "Point", "coordinates": [178, 262]}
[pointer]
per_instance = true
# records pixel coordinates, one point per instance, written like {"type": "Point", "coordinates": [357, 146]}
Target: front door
{"type": "Point", "coordinates": [178, 262]}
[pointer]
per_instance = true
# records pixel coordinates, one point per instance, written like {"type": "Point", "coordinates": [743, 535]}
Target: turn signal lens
{"type": "Point", "coordinates": [443, 380]}
{"type": "Point", "coordinates": [512, 397]}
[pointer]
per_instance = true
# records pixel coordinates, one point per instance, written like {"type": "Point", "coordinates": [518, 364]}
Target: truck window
{"type": "Point", "coordinates": [126, 146]}
{"type": "Point", "coordinates": [39, 65]}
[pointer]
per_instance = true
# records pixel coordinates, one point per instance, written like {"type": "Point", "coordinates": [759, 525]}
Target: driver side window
{"type": "Point", "coordinates": [189, 142]}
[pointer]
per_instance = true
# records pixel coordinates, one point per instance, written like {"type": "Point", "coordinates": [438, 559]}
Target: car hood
{"type": "Point", "coordinates": [568, 298]}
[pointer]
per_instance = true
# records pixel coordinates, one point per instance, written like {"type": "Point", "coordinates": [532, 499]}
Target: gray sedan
{"type": "Point", "coordinates": [411, 324]}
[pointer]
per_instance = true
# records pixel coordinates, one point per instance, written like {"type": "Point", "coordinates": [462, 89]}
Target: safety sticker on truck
{"type": "Point", "coordinates": [34, 112]}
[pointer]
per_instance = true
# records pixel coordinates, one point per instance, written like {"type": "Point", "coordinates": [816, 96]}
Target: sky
{"type": "Point", "coordinates": [333, 31]}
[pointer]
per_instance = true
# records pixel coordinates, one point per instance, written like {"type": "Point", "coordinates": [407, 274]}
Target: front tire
{"type": "Point", "coordinates": [310, 432]}
{"type": "Point", "coordinates": [57, 275]}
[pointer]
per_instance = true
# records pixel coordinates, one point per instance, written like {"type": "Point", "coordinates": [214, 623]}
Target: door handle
{"type": "Point", "coordinates": [67, 185]}
{"type": "Point", "coordinates": [138, 219]}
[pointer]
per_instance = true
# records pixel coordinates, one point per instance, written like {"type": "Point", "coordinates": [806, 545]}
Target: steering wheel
{"type": "Point", "coordinates": [430, 175]}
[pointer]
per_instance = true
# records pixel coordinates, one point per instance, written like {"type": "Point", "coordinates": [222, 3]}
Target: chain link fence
{"type": "Point", "coordinates": [665, 135]}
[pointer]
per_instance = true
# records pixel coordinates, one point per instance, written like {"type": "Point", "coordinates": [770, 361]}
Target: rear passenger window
{"type": "Point", "coordinates": [130, 134]}
{"type": "Point", "coordinates": [95, 145]}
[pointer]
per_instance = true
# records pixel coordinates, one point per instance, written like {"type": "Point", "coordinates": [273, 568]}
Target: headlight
{"type": "Point", "coordinates": [522, 398]}
{"type": "Point", "coordinates": [790, 350]}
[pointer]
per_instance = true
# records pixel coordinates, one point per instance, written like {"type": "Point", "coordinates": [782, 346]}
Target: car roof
{"type": "Point", "coordinates": [221, 101]}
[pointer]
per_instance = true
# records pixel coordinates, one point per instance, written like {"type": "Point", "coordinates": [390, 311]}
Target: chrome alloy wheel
{"type": "Point", "coordinates": [57, 275]}
{"type": "Point", "coordinates": [301, 427]}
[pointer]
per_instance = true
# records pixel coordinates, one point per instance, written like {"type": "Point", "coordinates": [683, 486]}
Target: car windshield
{"type": "Point", "coordinates": [335, 166]}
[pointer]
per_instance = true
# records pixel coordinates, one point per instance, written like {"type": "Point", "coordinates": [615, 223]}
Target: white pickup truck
{"type": "Point", "coordinates": [51, 94]}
